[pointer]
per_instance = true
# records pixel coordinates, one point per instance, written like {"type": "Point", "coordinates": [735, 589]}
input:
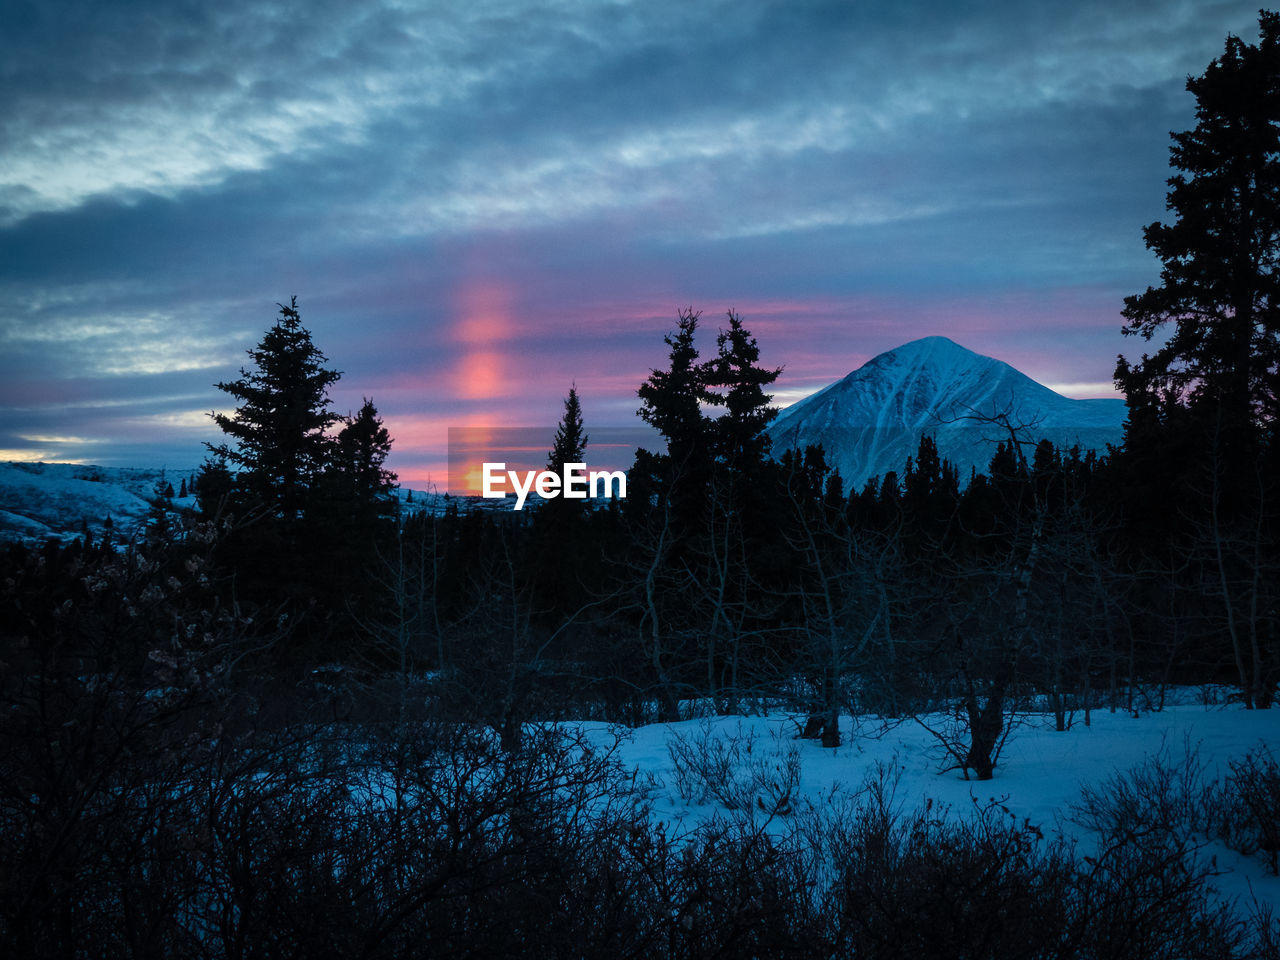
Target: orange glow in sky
{"type": "Point", "coordinates": [482, 324]}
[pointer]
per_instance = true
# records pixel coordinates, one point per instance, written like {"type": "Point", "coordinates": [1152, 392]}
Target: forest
{"type": "Point", "coordinates": [312, 719]}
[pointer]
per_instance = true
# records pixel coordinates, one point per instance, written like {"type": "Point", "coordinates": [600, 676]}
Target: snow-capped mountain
{"type": "Point", "coordinates": [870, 422]}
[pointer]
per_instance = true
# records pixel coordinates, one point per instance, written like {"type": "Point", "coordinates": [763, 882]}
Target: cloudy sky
{"type": "Point", "coordinates": [478, 203]}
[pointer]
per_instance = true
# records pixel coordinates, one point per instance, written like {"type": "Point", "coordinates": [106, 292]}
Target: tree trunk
{"type": "Point", "coordinates": [986, 723]}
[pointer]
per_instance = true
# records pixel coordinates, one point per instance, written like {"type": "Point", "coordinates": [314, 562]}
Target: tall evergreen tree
{"type": "Point", "coordinates": [745, 489]}
{"type": "Point", "coordinates": [213, 486]}
{"type": "Point", "coordinates": [571, 441]}
{"type": "Point", "coordinates": [279, 428]}
{"type": "Point", "coordinates": [740, 438]}
{"type": "Point", "coordinates": [672, 402]}
{"type": "Point", "coordinates": [1200, 445]}
{"type": "Point", "coordinates": [930, 493]}
{"type": "Point", "coordinates": [1219, 284]}
{"type": "Point", "coordinates": [672, 398]}
{"type": "Point", "coordinates": [360, 452]}
{"type": "Point", "coordinates": [561, 560]}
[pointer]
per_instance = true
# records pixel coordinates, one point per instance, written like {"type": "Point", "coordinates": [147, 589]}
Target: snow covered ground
{"type": "Point", "coordinates": [39, 501]}
{"type": "Point", "coordinates": [1040, 776]}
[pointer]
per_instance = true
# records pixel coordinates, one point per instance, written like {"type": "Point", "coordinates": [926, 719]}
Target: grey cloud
{"type": "Point", "coordinates": [518, 112]}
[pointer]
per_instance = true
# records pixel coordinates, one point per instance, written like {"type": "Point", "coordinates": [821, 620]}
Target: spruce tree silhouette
{"type": "Point", "coordinates": [571, 442]}
{"type": "Point", "coordinates": [358, 464]}
{"type": "Point", "coordinates": [279, 428]}
{"type": "Point", "coordinates": [1219, 287]}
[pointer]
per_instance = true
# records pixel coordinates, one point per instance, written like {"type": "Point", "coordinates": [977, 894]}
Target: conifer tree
{"type": "Point", "coordinates": [740, 436]}
{"type": "Point", "coordinates": [672, 402]}
{"type": "Point", "coordinates": [930, 491]}
{"type": "Point", "coordinates": [571, 442]}
{"type": "Point", "coordinates": [1200, 442]}
{"type": "Point", "coordinates": [1219, 287]}
{"type": "Point", "coordinates": [672, 398]}
{"type": "Point", "coordinates": [279, 428]}
{"type": "Point", "coordinates": [213, 486]}
{"type": "Point", "coordinates": [360, 452]}
{"type": "Point", "coordinates": [561, 565]}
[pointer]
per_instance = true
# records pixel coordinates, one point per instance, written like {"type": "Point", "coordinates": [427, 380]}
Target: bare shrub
{"type": "Point", "coordinates": [929, 884]}
{"type": "Point", "coordinates": [1246, 807]}
{"type": "Point", "coordinates": [1157, 802]}
{"type": "Point", "coordinates": [1148, 887]}
{"type": "Point", "coordinates": [735, 889]}
{"type": "Point", "coordinates": [1265, 931]}
{"type": "Point", "coordinates": [735, 770]}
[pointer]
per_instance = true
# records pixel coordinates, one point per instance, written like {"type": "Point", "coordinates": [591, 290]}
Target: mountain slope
{"type": "Point", "coordinates": [870, 422]}
{"type": "Point", "coordinates": [59, 501]}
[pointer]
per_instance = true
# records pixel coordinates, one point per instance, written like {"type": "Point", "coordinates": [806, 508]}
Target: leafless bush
{"type": "Point", "coordinates": [929, 884]}
{"type": "Point", "coordinates": [1149, 884]}
{"type": "Point", "coordinates": [1246, 806]}
{"type": "Point", "coordinates": [1155, 804]}
{"type": "Point", "coordinates": [1265, 943]}
{"type": "Point", "coordinates": [735, 770]}
{"type": "Point", "coordinates": [933, 882]}
{"type": "Point", "coordinates": [736, 889]}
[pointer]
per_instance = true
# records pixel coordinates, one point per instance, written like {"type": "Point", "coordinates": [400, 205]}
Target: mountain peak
{"type": "Point", "coordinates": [930, 346]}
{"type": "Point", "coordinates": [933, 351]}
{"type": "Point", "coordinates": [936, 353]}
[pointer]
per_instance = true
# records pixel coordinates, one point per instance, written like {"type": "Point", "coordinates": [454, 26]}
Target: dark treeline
{"type": "Point", "coordinates": [311, 719]}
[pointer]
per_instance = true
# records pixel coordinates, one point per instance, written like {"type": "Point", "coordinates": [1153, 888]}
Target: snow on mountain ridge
{"type": "Point", "coordinates": [58, 501]}
{"type": "Point", "coordinates": [871, 420]}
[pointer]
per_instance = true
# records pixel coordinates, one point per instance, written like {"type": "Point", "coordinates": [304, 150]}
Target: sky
{"type": "Point", "coordinates": [478, 204]}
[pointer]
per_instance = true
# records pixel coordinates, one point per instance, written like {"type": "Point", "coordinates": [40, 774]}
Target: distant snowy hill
{"type": "Point", "coordinates": [40, 501]}
{"type": "Point", "coordinates": [870, 422]}
{"type": "Point", "coordinates": [59, 501]}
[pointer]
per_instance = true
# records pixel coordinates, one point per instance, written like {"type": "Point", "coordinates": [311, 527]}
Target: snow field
{"type": "Point", "coordinates": [1040, 777]}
